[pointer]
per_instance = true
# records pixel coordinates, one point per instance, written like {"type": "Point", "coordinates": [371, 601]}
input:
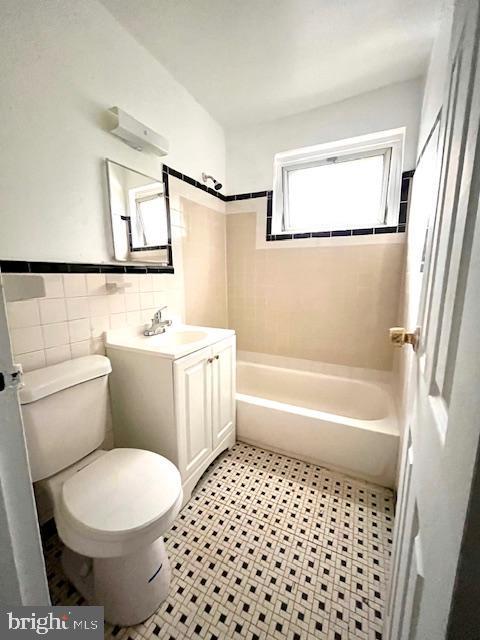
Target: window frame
{"type": "Point", "coordinates": [384, 142]}
{"type": "Point", "coordinates": [139, 200]}
{"type": "Point", "coordinates": [136, 195]}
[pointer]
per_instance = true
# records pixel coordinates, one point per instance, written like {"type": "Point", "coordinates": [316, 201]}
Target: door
{"type": "Point", "coordinates": [193, 402]}
{"type": "Point", "coordinates": [223, 390]}
{"type": "Point", "coordinates": [22, 569]}
{"type": "Point", "coordinates": [443, 425]}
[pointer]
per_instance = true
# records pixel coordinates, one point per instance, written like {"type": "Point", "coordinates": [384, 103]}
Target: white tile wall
{"type": "Point", "coordinates": [27, 339]}
{"type": "Point", "coordinates": [54, 286]}
{"type": "Point", "coordinates": [75, 284]}
{"type": "Point", "coordinates": [54, 335]}
{"type": "Point", "coordinates": [52, 310]}
{"type": "Point", "coordinates": [24, 314]}
{"type": "Point", "coordinates": [54, 354]}
{"type": "Point", "coordinates": [77, 308]}
{"type": "Point", "coordinates": [72, 319]}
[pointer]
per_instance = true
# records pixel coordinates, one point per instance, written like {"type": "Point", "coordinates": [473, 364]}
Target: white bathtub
{"type": "Point", "coordinates": [341, 423]}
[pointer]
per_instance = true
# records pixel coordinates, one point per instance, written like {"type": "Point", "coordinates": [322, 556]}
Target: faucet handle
{"type": "Point", "coordinates": [158, 314]}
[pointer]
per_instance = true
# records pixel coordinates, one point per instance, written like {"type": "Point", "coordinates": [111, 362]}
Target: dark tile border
{"type": "Point", "coordinates": [194, 183]}
{"type": "Point", "coordinates": [248, 196]}
{"type": "Point", "coordinates": [203, 187]}
{"type": "Point", "coordinates": [398, 228]}
{"type": "Point", "coordinates": [21, 266]}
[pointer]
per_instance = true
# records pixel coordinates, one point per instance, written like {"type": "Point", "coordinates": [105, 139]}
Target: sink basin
{"type": "Point", "coordinates": [185, 337]}
{"type": "Point", "coordinates": [176, 342]}
{"type": "Point", "coordinates": [176, 337]}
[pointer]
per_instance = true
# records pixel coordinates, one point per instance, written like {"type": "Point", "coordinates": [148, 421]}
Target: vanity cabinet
{"type": "Point", "coordinates": [182, 408]}
{"type": "Point", "coordinates": [223, 390]}
{"type": "Point", "coordinates": [205, 400]}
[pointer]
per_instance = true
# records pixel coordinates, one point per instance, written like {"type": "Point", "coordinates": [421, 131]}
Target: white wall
{"type": "Point", "coordinates": [437, 74]}
{"type": "Point", "coordinates": [250, 149]}
{"type": "Point", "coordinates": [62, 65]}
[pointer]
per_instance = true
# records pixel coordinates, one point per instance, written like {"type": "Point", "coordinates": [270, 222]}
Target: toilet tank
{"type": "Point", "coordinates": [65, 410]}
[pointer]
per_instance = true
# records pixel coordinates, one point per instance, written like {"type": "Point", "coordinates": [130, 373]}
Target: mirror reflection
{"type": "Point", "coordinates": [140, 216]}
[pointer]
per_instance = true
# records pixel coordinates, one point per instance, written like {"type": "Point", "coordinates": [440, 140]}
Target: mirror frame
{"type": "Point", "coordinates": [128, 228]}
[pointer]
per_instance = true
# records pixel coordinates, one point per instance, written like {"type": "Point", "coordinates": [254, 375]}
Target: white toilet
{"type": "Point", "coordinates": [111, 508]}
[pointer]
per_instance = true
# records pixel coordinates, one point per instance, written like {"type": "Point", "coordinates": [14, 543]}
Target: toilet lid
{"type": "Point", "coordinates": [122, 491]}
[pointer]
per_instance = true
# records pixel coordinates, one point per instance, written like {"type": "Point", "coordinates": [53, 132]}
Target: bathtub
{"type": "Point", "coordinates": [341, 423]}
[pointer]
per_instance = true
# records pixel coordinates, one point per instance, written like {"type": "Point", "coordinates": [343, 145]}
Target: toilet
{"type": "Point", "coordinates": [111, 507]}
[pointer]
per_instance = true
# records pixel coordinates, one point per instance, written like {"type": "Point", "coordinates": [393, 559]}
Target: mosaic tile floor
{"type": "Point", "coordinates": [268, 547]}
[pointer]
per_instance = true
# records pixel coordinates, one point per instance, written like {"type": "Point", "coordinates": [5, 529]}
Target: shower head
{"type": "Point", "coordinates": [216, 184]}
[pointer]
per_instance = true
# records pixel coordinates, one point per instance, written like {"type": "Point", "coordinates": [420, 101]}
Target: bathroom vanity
{"type": "Point", "coordinates": [174, 394]}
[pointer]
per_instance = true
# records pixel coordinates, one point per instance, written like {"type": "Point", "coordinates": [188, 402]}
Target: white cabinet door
{"type": "Point", "coordinates": [193, 403]}
{"type": "Point", "coordinates": [223, 390]}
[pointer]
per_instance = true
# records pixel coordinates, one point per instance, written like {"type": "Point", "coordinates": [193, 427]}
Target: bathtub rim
{"type": "Point", "coordinates": [375, 376]}
{"type": "Point", "coordinates": [387, 426]}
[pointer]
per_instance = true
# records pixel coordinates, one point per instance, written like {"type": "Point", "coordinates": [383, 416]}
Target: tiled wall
{"type": "Point", "coordinates": [78, 308]}
{"type": "Point", "coordinates": [204, 265]}
{"type": "Point", "coordinates": [332, 304]}
{"type": "Point", "coordinates": [71, 320]}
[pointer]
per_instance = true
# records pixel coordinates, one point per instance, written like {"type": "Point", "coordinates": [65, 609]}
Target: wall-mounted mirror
{"type": "Point", "coordinates": [140, 214]}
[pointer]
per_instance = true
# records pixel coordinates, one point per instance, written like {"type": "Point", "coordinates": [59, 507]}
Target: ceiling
{"type": "Point", "coordinates": [249, 61]}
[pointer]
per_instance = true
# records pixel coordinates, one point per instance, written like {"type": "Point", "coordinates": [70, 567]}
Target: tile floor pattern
{"type": "Point", "coordinates": [269, 547]}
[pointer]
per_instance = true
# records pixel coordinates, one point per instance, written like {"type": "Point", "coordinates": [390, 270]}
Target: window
{"type": "Point", "coordinates": [349, 184]}
{"type": "Point", "coordinates": [148, 226]}
{"type": "Point", "coordinates": [149, 222]}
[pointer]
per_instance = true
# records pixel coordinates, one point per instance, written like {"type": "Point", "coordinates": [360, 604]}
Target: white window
{"type": "Point", "coordinates": [349, 184]}
{"type": "Point", "coordinates": [149, 222]}
{"type": "Point", "coordinates": [148, 217]}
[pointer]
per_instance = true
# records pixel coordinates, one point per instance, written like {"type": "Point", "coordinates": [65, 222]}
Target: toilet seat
{"type": "Point", "coordinates": [123, 500]}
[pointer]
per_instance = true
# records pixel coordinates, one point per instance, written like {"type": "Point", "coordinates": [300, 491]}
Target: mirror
{"type": "Point", "coordinates": [140, 214]}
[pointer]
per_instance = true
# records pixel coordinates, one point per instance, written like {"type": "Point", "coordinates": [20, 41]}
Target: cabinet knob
{"type": "Point", "coordinates": [210, 360]}
{"type": "Point", "coordinates": [217, 357]}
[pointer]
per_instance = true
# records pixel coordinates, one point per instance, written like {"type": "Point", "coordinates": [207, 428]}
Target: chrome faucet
{"type": "Point", "coordinates": [158, 325]}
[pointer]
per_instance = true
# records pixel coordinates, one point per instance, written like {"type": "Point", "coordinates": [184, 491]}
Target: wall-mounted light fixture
{"type": "Point", "coordinates": [136, 134]}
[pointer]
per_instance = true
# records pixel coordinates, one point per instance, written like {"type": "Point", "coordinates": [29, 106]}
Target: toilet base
{"type": "Point", "coordinates": [130, 588]}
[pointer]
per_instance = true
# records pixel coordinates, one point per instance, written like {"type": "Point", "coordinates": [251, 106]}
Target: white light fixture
{"type": "Point", "coordinates": [138, 135]}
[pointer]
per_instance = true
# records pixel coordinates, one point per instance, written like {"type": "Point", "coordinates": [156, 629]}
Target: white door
{"type": "Point", "coordinates": [223, 390]}
{"type": "Point", "coordinates": [22, 569]}
{"type": "Point", "coordinates": [441, 443]}
{"type": "Point", "coordinates": [193, 402]}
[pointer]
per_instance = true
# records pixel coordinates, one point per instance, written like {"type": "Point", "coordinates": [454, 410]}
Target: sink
{"type": "Point", "coordinates": [185, 337]}
{"type": "Point", "coordinates": [176, 337]}
{"type": "Point", "coordinates": [177, 341]}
